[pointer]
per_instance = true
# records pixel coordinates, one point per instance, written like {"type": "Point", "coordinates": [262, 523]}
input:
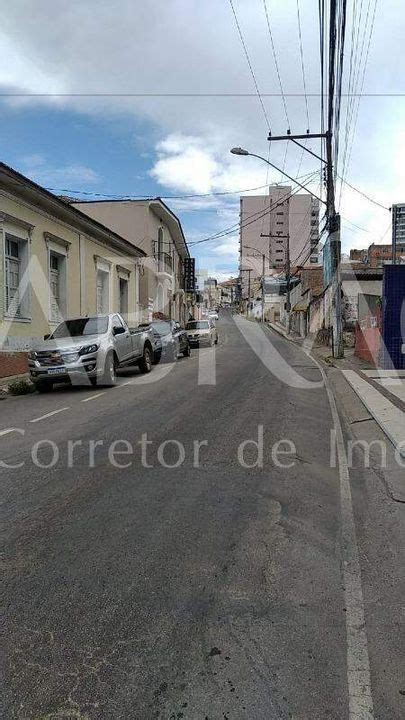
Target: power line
{"type": "Point", "coordinates": [249, 63]}
{"type": "Point", "coordinates": [231, 229]}
{"type": "Point", "coordinates": [302, 62]}
{"type": "Point", "coordinates": [256, 216]}
{"type": "Point", "coordinates": [207, 195]}
{"type": "Point", "coordinates": [358, 99]}
{"type": "Point", "coordinates": [191, 94]}
{"type": "Point", "coordinates": [276, 62]}
{"type": "Point", "coordinates": [353, 108]}
{"type": "Point", "coordinates": [360, 192]}
{"type": "Point", "coordinates": [166, 197]}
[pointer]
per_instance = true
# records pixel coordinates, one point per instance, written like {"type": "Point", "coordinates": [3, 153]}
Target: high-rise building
{"type": "Point", "coordinates": [265, 223]}
{"type": "Point", "coordinates": [398, 224]}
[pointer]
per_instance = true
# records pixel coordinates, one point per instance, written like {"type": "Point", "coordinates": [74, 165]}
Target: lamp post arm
{"type": "Point", "coordinates": [260, 157]}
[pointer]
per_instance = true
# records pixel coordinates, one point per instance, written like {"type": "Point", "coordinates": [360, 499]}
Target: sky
{"type": "Point", "coordinates": [135, 98]}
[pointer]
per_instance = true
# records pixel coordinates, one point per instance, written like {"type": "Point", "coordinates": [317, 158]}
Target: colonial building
{"type": "Point", "coordinates": [57, 262]}
{"type": "Point", "coordinates": [151, 226]}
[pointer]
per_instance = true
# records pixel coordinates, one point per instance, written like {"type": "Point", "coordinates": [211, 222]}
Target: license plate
{"type": "Point", "coordinates": [56, 371]}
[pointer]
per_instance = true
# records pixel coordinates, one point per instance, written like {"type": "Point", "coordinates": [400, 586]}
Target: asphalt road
{"type": "Point", "coordinates": [205, 591]}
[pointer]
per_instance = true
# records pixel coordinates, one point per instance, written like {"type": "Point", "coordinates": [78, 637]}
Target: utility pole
{"type": "Point", "coordinates": [333, 219]}
{"type": "Point", "coordinates": [263, 272]}
{"type": "Point", "coordinates": [287, 273]}
{"type": "Point", "coordinates": [249, 271]}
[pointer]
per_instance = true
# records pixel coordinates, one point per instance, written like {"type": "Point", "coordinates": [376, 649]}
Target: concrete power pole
{"type": "Point", "coordinates": [249, 271]}
{"type": "Point", "coordinates": [279, 236]}
{"type": "Point", "coordinates": [263, 276]}
{"type": "Point", "coordinates": [333, 218]}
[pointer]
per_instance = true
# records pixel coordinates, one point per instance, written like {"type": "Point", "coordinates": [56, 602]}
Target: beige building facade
{"type": "Point", "coordinates": [151, 226]}
{"type": "Point", "coordinates": [56, 262]}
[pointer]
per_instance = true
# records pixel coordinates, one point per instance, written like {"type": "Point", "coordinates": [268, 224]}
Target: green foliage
{"type": "Point", "coordinates": [21, 387]}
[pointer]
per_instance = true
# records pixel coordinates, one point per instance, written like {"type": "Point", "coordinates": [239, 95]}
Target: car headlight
{"type": "Point", "coordinates": [32, 355]}
{"type": "Point", "coordinates": [87, 349]}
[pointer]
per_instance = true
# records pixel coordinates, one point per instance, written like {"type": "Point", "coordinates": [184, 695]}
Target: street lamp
{"type": "Point", "coordinates": [242, 151]}
{"type": "Point", "coordinates": [239, 151]}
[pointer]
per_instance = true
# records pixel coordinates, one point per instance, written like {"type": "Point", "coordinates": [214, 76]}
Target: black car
{"type": "Point", "coordinates": [170, 340]}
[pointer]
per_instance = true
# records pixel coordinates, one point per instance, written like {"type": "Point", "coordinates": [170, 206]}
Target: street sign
{"type": "Point", "coordinates": [189, 274]}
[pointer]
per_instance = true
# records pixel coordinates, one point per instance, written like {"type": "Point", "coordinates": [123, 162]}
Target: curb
{"type": "Point", "coordinates": [388, 416]}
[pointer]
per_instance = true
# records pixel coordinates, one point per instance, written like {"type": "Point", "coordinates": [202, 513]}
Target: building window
{"type": "Point", "coordinates": [103, 292]}
{"type": "Point", "coordinates": [57, 286]}
{"type": "Point", "coordinates": [13, 278]}
{"type": "Point", "coordinates": [16, 283]}
{"type": "Point", "coordinates": [123, 288]}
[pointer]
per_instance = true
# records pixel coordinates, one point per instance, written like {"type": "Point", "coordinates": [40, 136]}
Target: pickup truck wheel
{"type": "Point", "coordinates": [44, 386]}
{"type": "Point", "coordinates": [145, 364]}
{"type": "Point", "coordinates": [109, 375]}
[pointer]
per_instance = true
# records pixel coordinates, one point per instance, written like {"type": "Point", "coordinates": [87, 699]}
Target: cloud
{"type": "Point", "coordinates": [44, 173]}
{"type": "Point", "coordinates": [230, 247]}
{"type": "Point", "coordinates": [191, 164]}
{"type": "Point", "coordinates": [192, 49]}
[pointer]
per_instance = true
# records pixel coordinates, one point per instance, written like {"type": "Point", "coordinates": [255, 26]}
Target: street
{"type": "Point", "coordinates": [209, 590]}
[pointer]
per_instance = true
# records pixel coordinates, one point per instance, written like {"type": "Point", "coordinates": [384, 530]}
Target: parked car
{"type": "Point", "coordinates": [169, 340]}
{"type": "Point", "coordinates": [91, 348]}
{"type": "Point", "coordinates": [213, 315]}
{"type": "Point", "coordinates": [201, 332]}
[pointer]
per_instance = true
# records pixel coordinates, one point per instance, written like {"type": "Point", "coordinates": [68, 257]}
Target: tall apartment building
{"type": "Point", "coordinates": [265, 223]}
{"type": "Point", "coordinates": [398, 224]}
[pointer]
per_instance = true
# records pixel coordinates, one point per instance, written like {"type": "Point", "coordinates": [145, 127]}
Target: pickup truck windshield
{"type": "Point", "coordinates": [198, 325]}
{"type": "Point", "coordinates": [81, 326]}
{"type": "Point", "coordinates": [161, 327]}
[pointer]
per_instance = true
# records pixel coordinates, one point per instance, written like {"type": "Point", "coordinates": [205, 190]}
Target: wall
{"type": "Point", "coordinates": [34, 225]}
{"type": "Point", "coordinates": [13, 364]}
{"type": "Point", "coordinates": [133, 220]}
{"type": "Point", "coordinates": [351, 291]}
{"type": "Point", "coordinates": [18, 333]}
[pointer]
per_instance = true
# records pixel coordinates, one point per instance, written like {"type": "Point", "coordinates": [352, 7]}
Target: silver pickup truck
{"type": "Point", "coordinates": [88, 351]}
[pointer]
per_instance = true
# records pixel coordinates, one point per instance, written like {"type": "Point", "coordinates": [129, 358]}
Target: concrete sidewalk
{"type": "Point", "coordinates": [390, 416]}
{"type": "Point", "coordinates": [382, 392]}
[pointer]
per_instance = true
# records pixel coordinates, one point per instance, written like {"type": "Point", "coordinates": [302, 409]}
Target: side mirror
{"type": "Point", "coordinates": [118, 330]}
{"type": "Point", "coordinates": [46, 337]}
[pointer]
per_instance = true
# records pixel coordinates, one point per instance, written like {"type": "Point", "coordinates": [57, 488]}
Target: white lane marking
{"type": "Point", "coordinates": [93, 397]}
{"type": "Point", "coordinates": [130, 382]}
{"type": "Point", "coordinates": [358, 663]}
{"type": "Point", "coordinates": [8, 430]}
{"type": "Point", "coordinates": [207, 366]}
{"type": "Point", "coordinates": [54, 412]}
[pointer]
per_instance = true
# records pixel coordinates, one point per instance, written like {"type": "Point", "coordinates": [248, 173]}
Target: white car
{"type": "Point", "coordinates": [213, 315]}
{"type": "Point", "coordinates": [201, 332]}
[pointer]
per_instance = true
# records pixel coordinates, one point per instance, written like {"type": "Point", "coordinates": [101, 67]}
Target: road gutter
{"type": "Point", "coordinates": [358, 662]}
